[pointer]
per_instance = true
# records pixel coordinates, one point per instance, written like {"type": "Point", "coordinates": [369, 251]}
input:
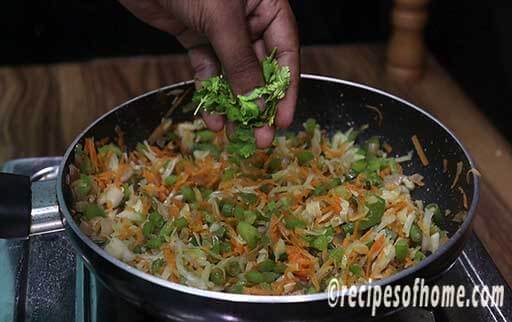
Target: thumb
{"type": "Point", "coordinates": [229, 36]}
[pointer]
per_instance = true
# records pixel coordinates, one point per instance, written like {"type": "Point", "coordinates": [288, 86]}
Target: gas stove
{"type": "Point", "coordinates": [42, 280]}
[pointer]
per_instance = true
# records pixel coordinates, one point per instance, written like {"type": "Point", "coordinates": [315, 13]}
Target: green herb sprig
{"type": "Point", "coordinates": [216, 97]}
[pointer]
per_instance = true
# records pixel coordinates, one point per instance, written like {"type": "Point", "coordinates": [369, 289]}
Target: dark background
{"type": "Point", "coordinates": [470, 38]}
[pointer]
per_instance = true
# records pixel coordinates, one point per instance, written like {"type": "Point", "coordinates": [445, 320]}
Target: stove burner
{"type": "Point", "coordinates": [42, 280]}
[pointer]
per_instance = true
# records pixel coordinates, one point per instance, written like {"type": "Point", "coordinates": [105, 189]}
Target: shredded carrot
{"type": "Point", "coordinates": [419, 150]}
{"type": "Point", "coordinates": [377, 246]}
{"type": "Point", "coordinates": [91, 151]}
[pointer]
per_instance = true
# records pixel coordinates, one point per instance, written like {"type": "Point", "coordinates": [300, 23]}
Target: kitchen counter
{"type": "Point", "coordinates": [42, 108]}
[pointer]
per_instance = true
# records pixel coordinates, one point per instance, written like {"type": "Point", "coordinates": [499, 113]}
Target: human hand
{"type": "Point", "coordinates": [234, 35]}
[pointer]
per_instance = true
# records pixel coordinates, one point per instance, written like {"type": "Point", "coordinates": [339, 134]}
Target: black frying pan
{"type": "Point", "coordinates": [336, 105]}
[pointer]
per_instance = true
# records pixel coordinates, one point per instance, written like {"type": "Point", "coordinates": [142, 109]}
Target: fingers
{"type": "Point", "coordinates": [231, 40]}
{"type": "Point", "coordinates": [229, 35]}
{"type": "Point", "coordinates": [264, 136]}
{"type": "Point", "coordinates": [274, 20]}
{"type": "Point", "coordinates": [205, 65]}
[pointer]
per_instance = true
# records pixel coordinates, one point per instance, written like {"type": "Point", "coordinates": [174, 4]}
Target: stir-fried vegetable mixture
{"type": "Point", "coordinates": [284, 221]}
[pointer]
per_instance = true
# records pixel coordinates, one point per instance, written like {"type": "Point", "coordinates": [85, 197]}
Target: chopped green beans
{"type": "Point", "coordinates": [415, 234]}
{"type": "Point", "coordinates": [254, 277]}
{"type": "Point", "coordinates": [205, 136]}
{"type": "Point", "coordinates": [266, 266]}
{"type": "Point", "coordinates": [233, 268]}
{"type": "Point", "coordinates": [229, 174]}
{"type": "Point", "coordinates": [401, 249]}
{"type": "Point", "coordinates": [356, 270]}
{"type": "Point", "coordinates": [82, 186]}
{"type": "Point", "coordinates": [154, 243]}
{"type": "Point", "coordinates": [217, 276]}
{"type": "Point", "coordinates": [269, 277]}
{"type": "Point", "coordinates": [188, 194]}
{"type": "Point", "coordinates": [336, 254]}
{"type": "Point", "coordinates": [292, 222]}
{"type": "Point", "coordinates": [248, 232]}
{"type": "Point", "coordinates": [280, 267]}
{"type": "Point", "coordinates": [419, 256]}
{"type": "Point", "coordinates": [93, 210]}
{"type": "Point", "coordinates": [304, 157]}
{"type": "Point", "coordinates": [275, 165]}
{"type": "Point", "coordinates": [359, 165]}
{"type": "Point", "coordinates": [320, 243]}
{"type": "Point", "coordinates": [376, 207]}
{"type": "Point", "coordinates": [227, 209]}
{"type": "Point", "coordinates": [180, 223]}
{"type": "Point", "coordinates": [156, 219]}
{"type": "Point", "coordinates": [170, 180]}
{"type": "Point", "coordinates": [250, 216]}
{"type": "Point", "coordinates": [248, 197]}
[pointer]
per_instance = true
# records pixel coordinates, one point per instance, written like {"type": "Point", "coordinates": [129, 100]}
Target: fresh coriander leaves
{"type": "Point", "coordinates": [215, 97]}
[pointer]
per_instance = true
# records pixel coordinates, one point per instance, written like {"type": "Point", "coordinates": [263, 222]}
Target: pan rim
{"type": "Point", "coordinates": [264, 299]}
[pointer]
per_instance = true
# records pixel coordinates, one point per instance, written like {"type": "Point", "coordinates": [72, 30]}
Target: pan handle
{"type": "Point", "coordinates": [28, 207]}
